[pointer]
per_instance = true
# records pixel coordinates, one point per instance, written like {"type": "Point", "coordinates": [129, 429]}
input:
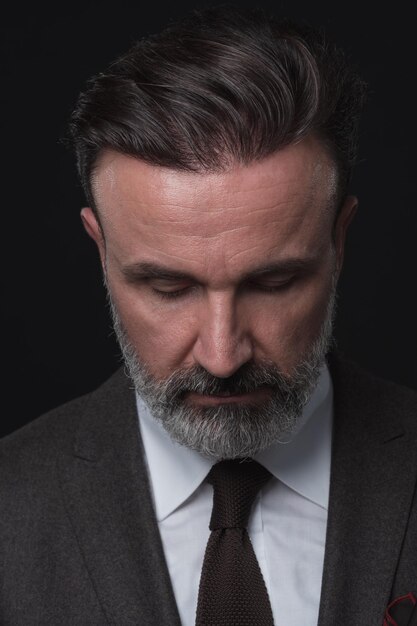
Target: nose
{"type": "Point", "coordinates": [223, 343]}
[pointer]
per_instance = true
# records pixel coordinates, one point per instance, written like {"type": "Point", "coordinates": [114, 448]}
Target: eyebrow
{"type": "Point", "coordinates": [147, 271]}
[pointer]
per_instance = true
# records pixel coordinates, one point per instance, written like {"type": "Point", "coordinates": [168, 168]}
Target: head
{"type": "Point", "coordinates": [216, 158]}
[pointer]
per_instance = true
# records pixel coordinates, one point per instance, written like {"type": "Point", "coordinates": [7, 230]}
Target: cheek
{"type": "Point", "coordinates": [311, 312]}
{"type": "Point", "coordinates": [161, 336]}
{"type": "Point", "coordinates": [288, 326]}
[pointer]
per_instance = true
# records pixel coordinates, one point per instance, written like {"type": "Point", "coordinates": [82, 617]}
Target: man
{"type": "Point", "coordinates": [216, 158]}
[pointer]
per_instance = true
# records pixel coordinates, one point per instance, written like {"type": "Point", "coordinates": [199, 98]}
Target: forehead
{"type": "Point", "coordinates": [305, 165]}
{"type": "Point", "coordinates": [279, 203]}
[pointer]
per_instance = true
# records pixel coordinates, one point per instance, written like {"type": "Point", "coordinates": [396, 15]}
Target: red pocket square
{"type": "Point", "coordinates": [401, 611]}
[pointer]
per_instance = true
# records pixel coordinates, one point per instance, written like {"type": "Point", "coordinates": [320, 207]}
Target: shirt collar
{"type": "Point", "coordinates": [303, 463]}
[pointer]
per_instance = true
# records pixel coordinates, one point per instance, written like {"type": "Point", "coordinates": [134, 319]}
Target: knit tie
{"type": "Point", "coordinates": [232, 590]}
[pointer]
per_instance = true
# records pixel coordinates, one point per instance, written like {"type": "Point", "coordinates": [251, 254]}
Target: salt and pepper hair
{"type": "Point", "coordinates": [220, 86]}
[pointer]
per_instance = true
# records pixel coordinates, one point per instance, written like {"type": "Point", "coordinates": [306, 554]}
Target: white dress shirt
{"type": "Point", "coordinates": [288, 521]}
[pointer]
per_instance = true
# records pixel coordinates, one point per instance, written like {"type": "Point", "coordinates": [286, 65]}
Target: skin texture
{"type": "Point", "coordinates": [218, 229]}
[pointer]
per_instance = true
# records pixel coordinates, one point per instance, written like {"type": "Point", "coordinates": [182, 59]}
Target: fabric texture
{"type": "Point", "coordinates": [232, 590]}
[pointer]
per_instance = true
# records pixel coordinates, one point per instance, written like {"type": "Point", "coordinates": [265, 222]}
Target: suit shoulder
{"type": "Point", "coordinates": [29, 457]}
{"type": "Point", "coordinates": [374, 391]}
{"type": "Point", "coordinates": [43, 437]}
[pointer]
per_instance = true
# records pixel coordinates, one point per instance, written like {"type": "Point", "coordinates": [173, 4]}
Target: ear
{"type": "Point", "coordinates": [343, 220]}
{"type": "Point", "coordinates": [93, 228]}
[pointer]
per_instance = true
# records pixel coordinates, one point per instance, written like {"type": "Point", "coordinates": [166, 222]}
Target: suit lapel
{"type": "Point", "coordinates": [373, 475]}
{"type": "Point", "coordinates": [108, 499]}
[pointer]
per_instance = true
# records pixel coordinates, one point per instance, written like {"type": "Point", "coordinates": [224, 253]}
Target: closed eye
{"type": "Point", "coordinates": [170, 295]}
{"type": "Point", "coordinates": [273, 286]}
{"type": "Point", "coordinates": [265, 287]}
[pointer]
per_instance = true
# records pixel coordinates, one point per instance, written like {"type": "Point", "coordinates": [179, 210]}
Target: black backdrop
{"type": "Point", "coordinates": [56, 336]}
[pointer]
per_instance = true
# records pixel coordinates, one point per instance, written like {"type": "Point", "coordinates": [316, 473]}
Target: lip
{"type": "Point", "coordinates": [241, 398]}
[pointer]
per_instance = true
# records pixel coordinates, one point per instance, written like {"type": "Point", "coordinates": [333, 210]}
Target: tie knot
{"type": "Point", "coordinates": [235, 484]}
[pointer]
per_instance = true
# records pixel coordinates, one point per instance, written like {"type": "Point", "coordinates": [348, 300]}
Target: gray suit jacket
{"type": "Point", "coordinates": [79, 542]}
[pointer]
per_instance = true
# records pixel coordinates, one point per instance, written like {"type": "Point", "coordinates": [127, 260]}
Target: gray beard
{"type": "Point", "coordinates": [230, 431]}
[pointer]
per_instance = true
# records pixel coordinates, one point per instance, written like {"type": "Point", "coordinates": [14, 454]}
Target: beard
{"type": "Point", "coordinates": [234, 430]}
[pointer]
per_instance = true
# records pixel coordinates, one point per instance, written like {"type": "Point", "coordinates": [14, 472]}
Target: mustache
{"type": "Point", "coordinates": [248, 378]}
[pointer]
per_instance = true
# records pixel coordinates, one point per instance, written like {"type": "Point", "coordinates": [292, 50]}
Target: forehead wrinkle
{"type": "Point", "coordinates": [292, 203]}
{"type": "Point", "coordinates": [247, 249]}
{"type": "Point", "coordinates": [188, 236]}
{"type": "Point", "coordinates": [232, 194]}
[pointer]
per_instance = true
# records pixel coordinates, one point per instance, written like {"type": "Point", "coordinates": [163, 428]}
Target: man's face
{"type": "Point", "coordinates": [220, 272]}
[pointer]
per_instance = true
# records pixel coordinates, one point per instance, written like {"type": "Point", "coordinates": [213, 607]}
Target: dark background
{"type": "Point", "coordinates": [56, 337]}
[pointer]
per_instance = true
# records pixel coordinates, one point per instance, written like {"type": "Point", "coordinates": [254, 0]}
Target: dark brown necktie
{"type": "Point", "coordinates": [232, 590]}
